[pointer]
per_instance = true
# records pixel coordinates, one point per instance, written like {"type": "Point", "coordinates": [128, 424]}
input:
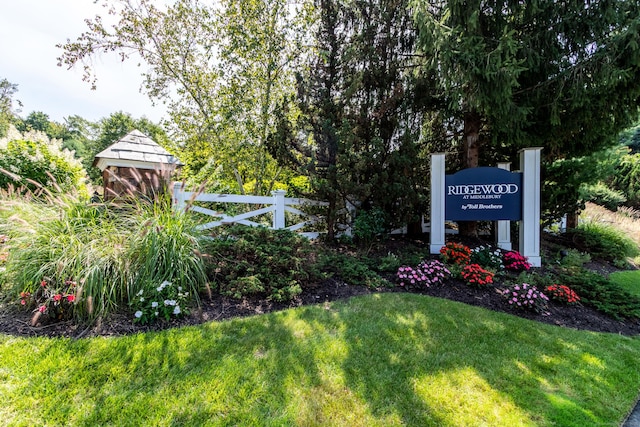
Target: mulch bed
{"type": "Point", "coordinates": [17, 322]}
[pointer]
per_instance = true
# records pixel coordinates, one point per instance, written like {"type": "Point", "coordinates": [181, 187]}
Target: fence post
{"type": "Point", "coordinates": [278, 213]}
{"type": "Point", "coordinates": [179, 203]}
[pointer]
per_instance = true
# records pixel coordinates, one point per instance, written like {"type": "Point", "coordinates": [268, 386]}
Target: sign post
{"type": "Point", "coordinates": [436, 235]}
{"type": "Point", "coordinates": [490, 194]}
{"type": "Point", "coordinates": [529, 241]}
{"type": "Point", "coordinates": [503, 227]}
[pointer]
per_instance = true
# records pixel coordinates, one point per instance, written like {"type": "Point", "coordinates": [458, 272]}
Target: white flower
{"type": "Point", "coordinates": [159, 288]}
{"type": "Point", "coordinates": [169, 302]}
{"type": "Point", "coordinates": [140, 293]}
{"type": "Point", "coordinates": [176, 310]}
{"type": "Point", "coordinates": [165, 284]}
{"type": "Point", "coordinates": [154, 304]}
{"type": "Point", "coordinates": [141, 299]}
{"type": "Point", "coordinates": [155, 313]}
{"type": "Point", "coordinates": [138, 314]}
{"type": "Point", "coordinates": [180, 288]}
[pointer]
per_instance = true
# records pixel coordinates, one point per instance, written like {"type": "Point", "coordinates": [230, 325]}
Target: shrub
{"type": "Point", "coordinates": [487, 257]}
{"type": "Point", "coordinates": [604, 241]}
{"type": "Point", "coordinates": [165, 301]}
{"type": "Point", "coordinates": [164, 245]}
{"type": "Point", "coordinates": [475, 275]}
{"type": "Point", "coordinates": [368, 225]}
{"type": "Point", "coordinates": [627, 178]}
{"type": "Point", "coordinates": [455, 253]}
{"type": "Point", "coordinates": [602, 195]}
{"type": "Point", "coordinates": [427, 273]}
{"type": "Point", "coordinates": [111, 251]}
{"type": "Point", "coordinates": [247, 261]}
{"type": "Point", "coordinates": [514, 261]}
{"type": "Point", "coordinates": [353, 270]}
{"type": "Point", "coordinates": [600, 293]}
{"type": "Point", "coordinates": [562, 293]}
{"type": "Point", "coordinates": [525, 296]}
{"type": "Point", "coordinates": [573, 258]}
{"type": "Point", "coordinates": [33, 160]}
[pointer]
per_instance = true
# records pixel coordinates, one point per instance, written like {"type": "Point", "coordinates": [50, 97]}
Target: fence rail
{"type": "Point", "coordinates": [276, 204]}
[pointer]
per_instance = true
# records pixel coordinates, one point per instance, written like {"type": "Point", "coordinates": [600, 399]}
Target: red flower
{"type": "Point", "coordinates": [43, 283]}
{"type": "Point", "coordinates": [57, 297]}
{"type": "Point", "coordinates": [42, 308]}
{"type": "Point", "coordinates": [71, 298]}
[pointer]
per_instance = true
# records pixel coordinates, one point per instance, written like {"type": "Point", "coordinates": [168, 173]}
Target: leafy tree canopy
{"type": "Point", "coordinates": [7, 108]}
{"type": "Point", "coordinates": [221, 68]}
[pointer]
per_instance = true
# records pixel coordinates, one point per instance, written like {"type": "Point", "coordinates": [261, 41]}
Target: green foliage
{"type": "Point", "coordinates": [517, 74]}
{"type": "Point", "coordinates": [163, 246]}
{"type": "Point", "coordinates": [600, 293]}
{"type": "Point", "coordinates": [363, 145]}
{"type": "Point", "coordinates": [34, 161]}
{"type": "Point", "coordinates": [388, 263]}
{"type": "Point", "coordinates": [627, 179]}
{"type": "Point", "coordinates": [564, 178]}
{"type": "Point", "coordinates": [112, 252]}
{"type": "Point", "coordinates": [604, 241]}
{"type": "Point", "coordinates": [601, 194]}
{"type": "Point", "coordinates": [220, 67]}
{"type": "Point", "coordinates": [247, 261]}
{"type": "Point", "coordinates": [627, 280]}
{"type": "Point", "coordinates": [630, 138]}
{"type": "Point", "coordinates": [368, 226]}
{"type": "Point", "coordinates": [573, 258]}
{"type": "Point", "coordinates": [353, 270]}
{"type": "Point", "coordinates": [7, 113]}
{"type": "Point", "coordinates": [165, 301]}
{"type": "Point", "coordinates": [488, 257]}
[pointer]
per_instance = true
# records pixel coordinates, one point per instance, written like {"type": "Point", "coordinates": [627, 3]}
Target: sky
{"type": "Point", "coordinates": [29, 32]}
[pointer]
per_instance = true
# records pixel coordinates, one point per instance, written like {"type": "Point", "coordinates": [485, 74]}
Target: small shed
{"type": "Point", "coordinates": [135, 164]}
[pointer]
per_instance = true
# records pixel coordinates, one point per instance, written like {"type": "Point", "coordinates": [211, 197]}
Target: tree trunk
{"type": "Point", "coordinates": [572, 220]}
{"type": "Point", "coordinates": [470, 156]}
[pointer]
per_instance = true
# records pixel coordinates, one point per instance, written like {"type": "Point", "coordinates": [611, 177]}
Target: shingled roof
{"type": "Point", "coordinates": [135, 149]}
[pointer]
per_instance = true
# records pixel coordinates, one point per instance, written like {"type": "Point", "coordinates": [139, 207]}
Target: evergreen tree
{"type": "Point", "coordinates": [358, 134]}
{"type": "Point", "coordinates": [561, 75]}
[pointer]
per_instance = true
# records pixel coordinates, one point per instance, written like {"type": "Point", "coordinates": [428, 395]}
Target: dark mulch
{"type": "Point", "coordinates": [220, 308]}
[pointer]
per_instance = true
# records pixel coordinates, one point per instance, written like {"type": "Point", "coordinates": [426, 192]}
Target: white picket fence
{"type": "Point", "coordinates": [276, 204]}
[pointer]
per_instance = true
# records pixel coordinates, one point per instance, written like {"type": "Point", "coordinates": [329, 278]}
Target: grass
{"type": "Point", "coordinates": [377, 360]}
{"type": "Point", "coordinates": [627, 280]}
{"type": "Point", "coordinates": [112, 251]}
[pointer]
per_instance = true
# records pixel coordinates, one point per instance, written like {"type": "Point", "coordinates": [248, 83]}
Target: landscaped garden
{"type": "Point", "coordinates": [124, 314]}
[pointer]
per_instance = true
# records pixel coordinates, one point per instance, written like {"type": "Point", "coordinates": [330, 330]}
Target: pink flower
{"type": "Point", "coordinates": [42, 308]}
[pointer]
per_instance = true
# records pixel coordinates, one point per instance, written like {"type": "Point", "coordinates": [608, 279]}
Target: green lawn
{"type": "Point", "coordinates": [377, 360]}
{"type": "Point", "coordinates": [628, 280]}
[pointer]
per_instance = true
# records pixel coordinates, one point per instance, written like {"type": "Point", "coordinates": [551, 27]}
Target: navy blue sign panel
{"type": "Point", "coordinates": [483, 194]}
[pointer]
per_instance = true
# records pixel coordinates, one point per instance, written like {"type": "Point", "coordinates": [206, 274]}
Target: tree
{"type": "Point", "coordinates": [357, 134]}
{"type": "Point", "coordinates": [221, 69]}
{"type": "Point", "coordinates": [630, 137]}
{"type": "Point", "coordinates": [561, 75]}
{"type": "Point", "coordinates": [7, 112]}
